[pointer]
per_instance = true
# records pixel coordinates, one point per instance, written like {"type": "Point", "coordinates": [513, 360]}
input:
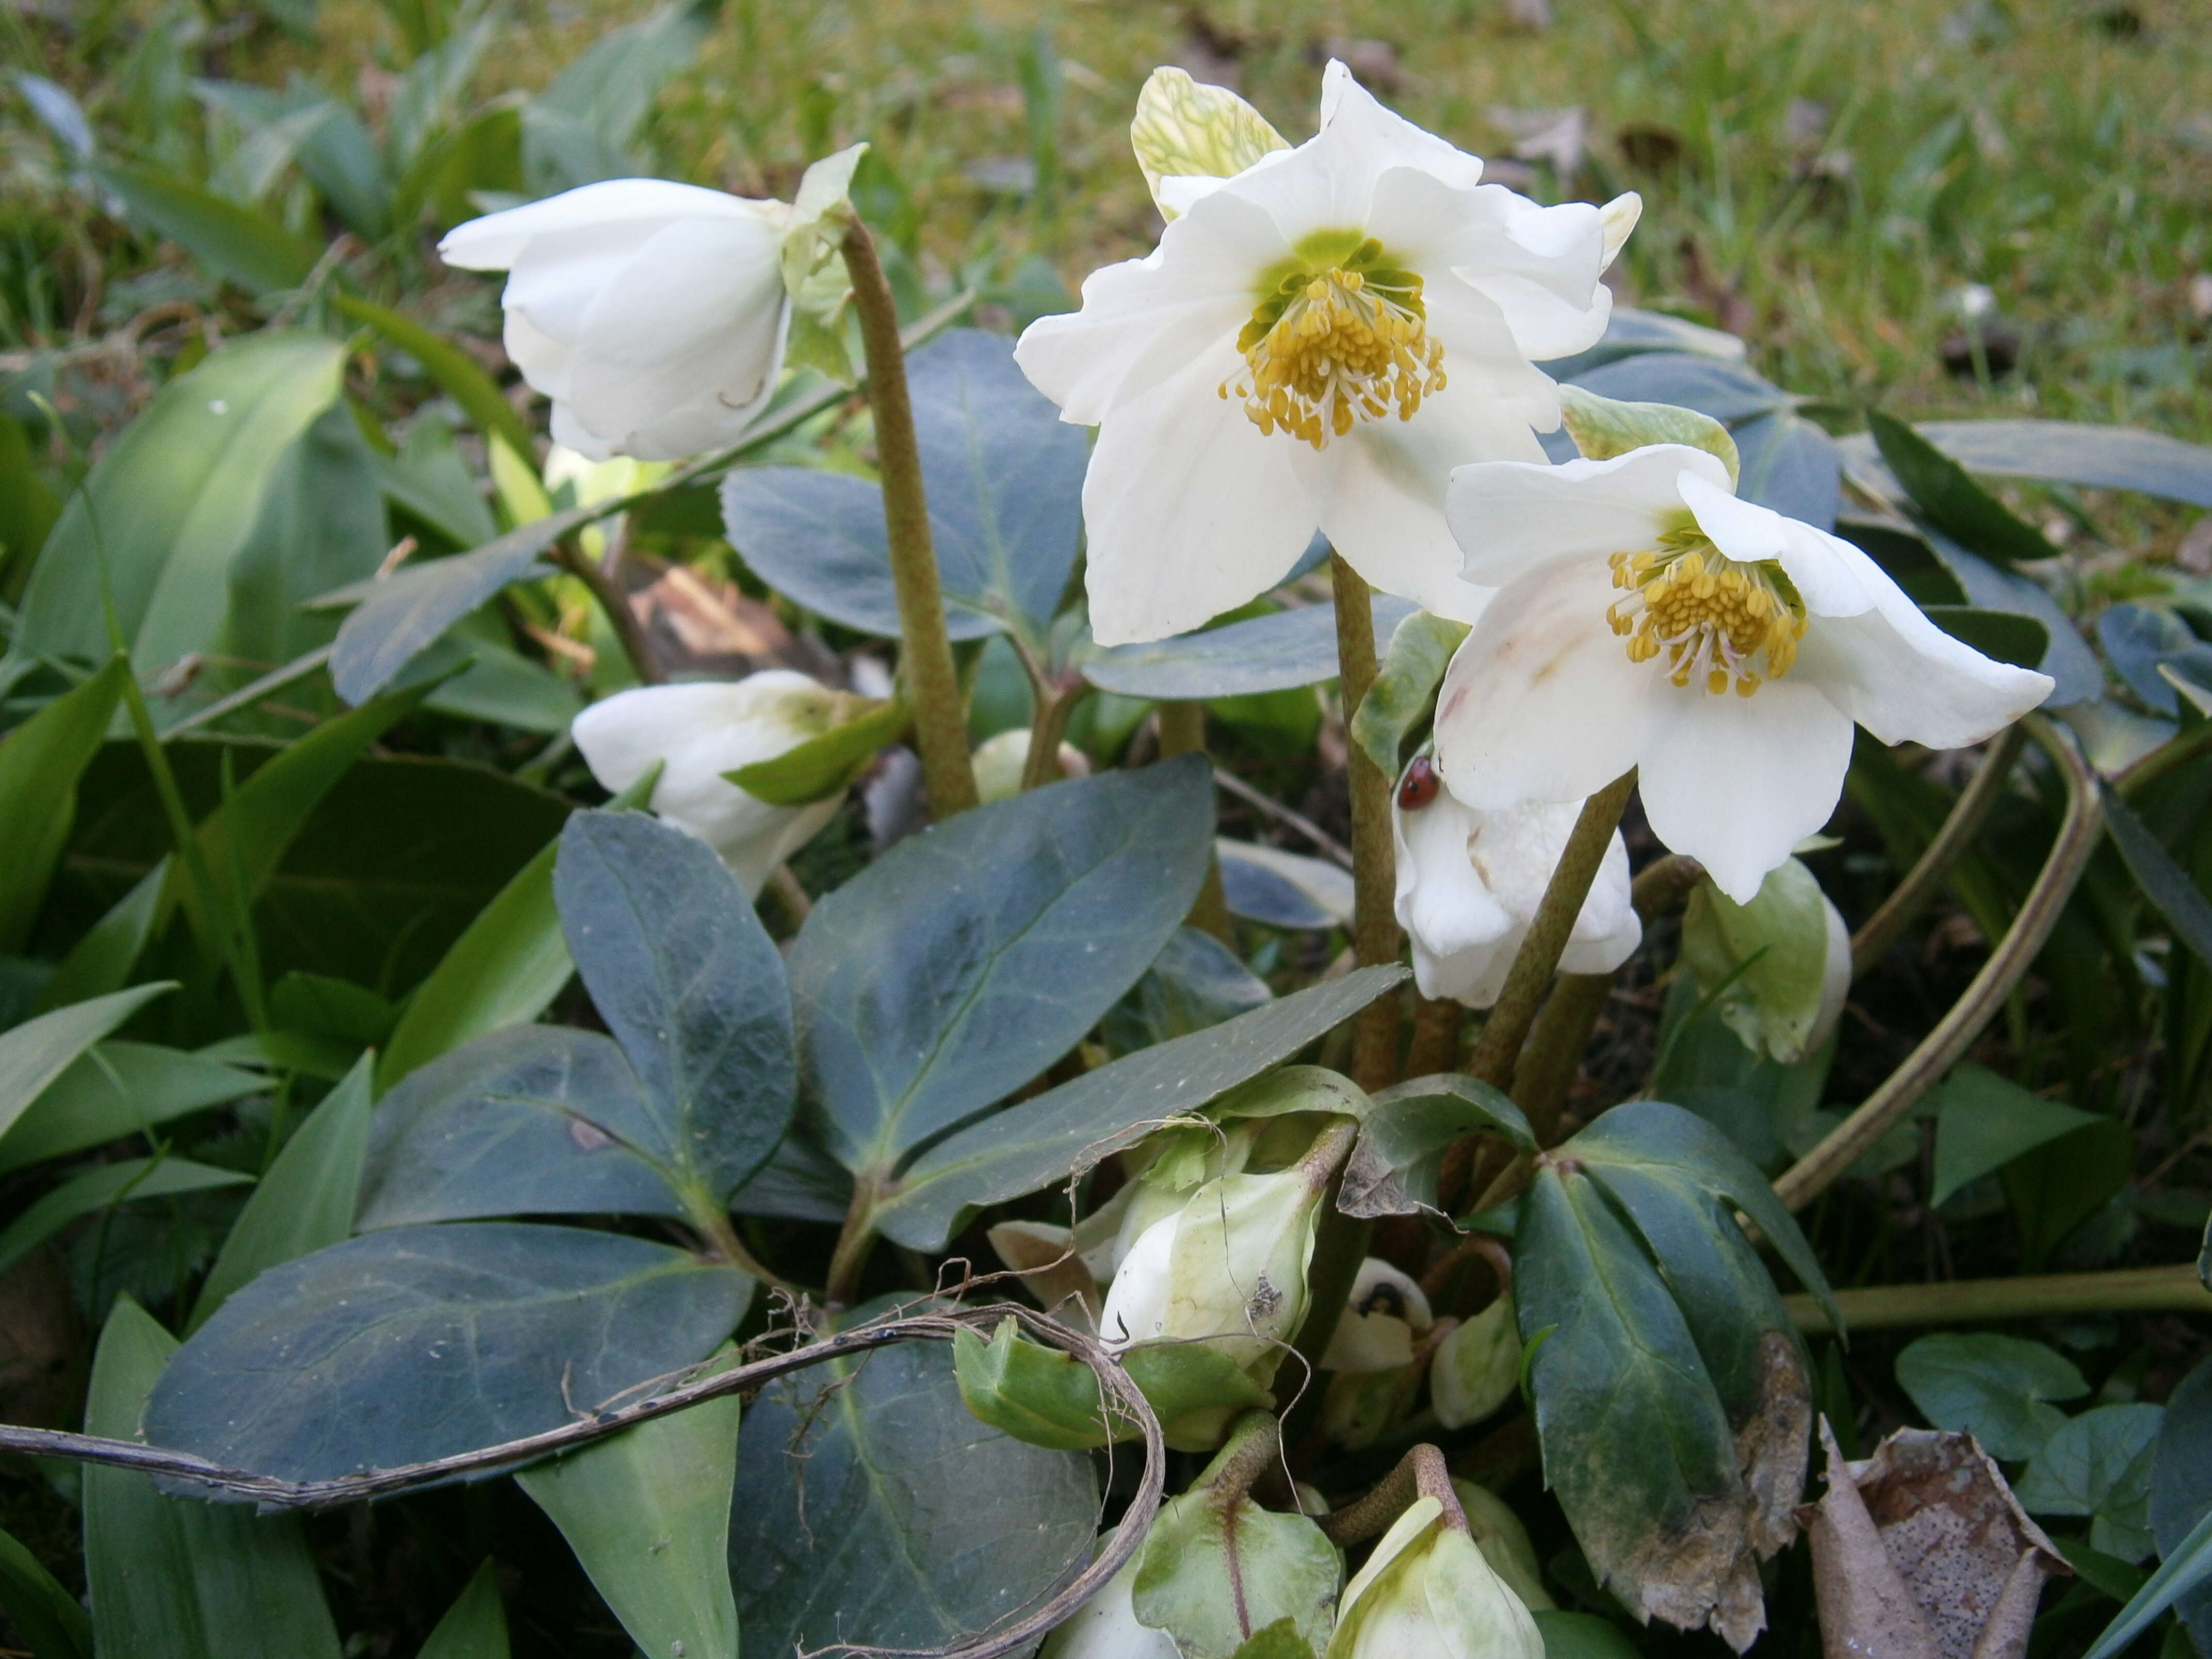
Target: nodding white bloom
{"type": "Point", "coordinates": [1386, 1311]}
{"type": "Point", "coordinates": [1647, 618]}
{"type": "Point", "coordinates": [1321, 335]}
{"type": "Point", "coordinates": [1469, 883]}
{"type": "Point", "coordinates": [701, 729]}
{"type": "Point", "coordinates": [1229, 1265]}
{"type": "Point", "coordinates": [653, 314]}
{"type": "Point", "coordinates": [1427, 1592]}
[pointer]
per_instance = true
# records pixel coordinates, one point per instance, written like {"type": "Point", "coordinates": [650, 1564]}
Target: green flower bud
{"type": "Point", "coordinates": [1477, 1368]}
{"type": "Point", "coordinates": [1428, 1593]}
{"type": "Point", "coordinates": [1782, 962]}
{"type": "Point", "coordinates": [1050, 1398]}
{"type": "Point", "coordinates": [1505, 1544]}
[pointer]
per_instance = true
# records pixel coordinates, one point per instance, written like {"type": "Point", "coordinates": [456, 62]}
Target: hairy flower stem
{"type": "Point", "coordinates": [1055, 705]}
{"type": "Point", "coordinates": [2078, 832]}
{"type": "Point", "coordinates": [1921, 883]}
{"type": "Point", "coordinates": [1254, 1445]}
{"type": "Point", "coordinates": [1553, 1052]}
{"type": "Point", "coordinates": [1507, 1028]}
{"type": "Point", "coordinates": [854, 1244]}
{"type": "Point", "coordinates": [614, 603]}
{"type": "Point", "coordinates": [1182, 731]}
{"type": "Point", "coordinates": [1435, 1041]}
{"type": "Point", "coordinates": [1972, 1301]}
{"type": "Point", "coordinates": [1374, 857]}
{"type": "Point", "coordinates": [940, 720]}
{"type": "Point", "coordinates": [1420, 1473]}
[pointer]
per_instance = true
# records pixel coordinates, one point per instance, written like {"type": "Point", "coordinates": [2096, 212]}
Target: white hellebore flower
{"type": "Point", "coordinates": [700, 730]}
{"type": "Point", "coordinates": [1230, 1264]}
{"type": "Point", "coordinates": [1386, 1311]}
{"type": "Point", "coordinates": [1469, 883]}
{"type": "Point", "coordinates": [1648, 619]}
{"type": "Point", "coordinates": [653, 314]}
{"type": "Point", "coordinates": [1429, 1593]}
{"type": "Point", "coordinates": [1321, 335]}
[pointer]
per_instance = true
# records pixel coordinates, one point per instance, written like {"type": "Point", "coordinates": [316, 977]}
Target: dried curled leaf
{"type": "Point", "coordinates": [1921, 1551]}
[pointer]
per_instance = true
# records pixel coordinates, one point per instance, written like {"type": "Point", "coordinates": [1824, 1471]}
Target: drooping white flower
{"type": "Point", "coordinates": [1321, 335]}
{"type": "Point", "coordinates": [653, 314]}
{"type": "Point", "coordinates": [1386, 1311]}
{"type": "Point", "coordinates": [1469, 883]}
{"type": "Point", "coordinates": [1427, 1592]}
{"type": "Point", "coordinates": [700, 730]}
{"type": "Point", "coordinates": [1647, 618]}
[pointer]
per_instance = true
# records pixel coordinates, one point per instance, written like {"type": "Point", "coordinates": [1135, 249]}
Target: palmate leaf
{"type": "Point", "coordinates": [970, 957]}
{"type": "Point", "coordinates": [1672, 1397]}
{"type": "Point", "coordinates": [873, 1508]}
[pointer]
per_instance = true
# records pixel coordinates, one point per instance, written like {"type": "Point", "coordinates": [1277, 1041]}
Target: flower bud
{"type": "Point", "coordinates": [1469, 883]}
{"type": "Point", "coordinates": [653, 314]}
{"type": "Point", "coordinates": [1106, 1627]}
{"type": "Point", "coordinates": [1428, 1592]}
{"type": "Point", "coordinates": [1229, 1265]}
{"type": "Point", "coordinates": [1000, 761]}
{"type": "Point", "coordinates": [1782, 964]}
{"type": "Point", "coordinates": [1505, 1544]}
{"type": "Point", "coordinates": [1477, 1367]}
{"type": "Point", "coordinates": [700, 730]}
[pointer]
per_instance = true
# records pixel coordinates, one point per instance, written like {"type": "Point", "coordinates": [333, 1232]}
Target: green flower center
{"type": "Point", "coordinates": [1331, 344]}
{"type": "Point", "coordinates": [1708, 617]}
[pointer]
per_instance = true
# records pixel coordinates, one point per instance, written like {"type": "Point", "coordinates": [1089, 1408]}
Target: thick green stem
{"type": "Point", "coordinates": [1545, 1073]}
{"type": "Point", "coordinates": [1374, 857]}
{"type": "Point", "coordinates": [1507, 1028]}
{"type": "Point", "coordinates": [1420, 1473]}
{"type": "Point", "coordinates": [1182, 731]}
{"type": "Point", "coordinates": [1976, 1301]}
{"type": "Point", "coordinates": [853, 1245]}
{"type": "Point", "coordinates": [644, 660]}
{"type": "Point", "coordinates": [940, 720]}
{"type": "Point", "coordinates": [1872, 941]}
{"type": "Point", "coordinates": [1436, 1042]}
{"type": "Point", "coordinates": [2077, 837]}
{"type": "Point", "coordinates": [1254, 1446]}
{"type": "Point", "coordinates": [1047, 728]}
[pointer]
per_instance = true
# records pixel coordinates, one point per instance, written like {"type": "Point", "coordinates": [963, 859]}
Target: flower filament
{"type": "Point", "coordinates": [1330, 347]}
{"type": "Point", "coordinates": [1708, 617]}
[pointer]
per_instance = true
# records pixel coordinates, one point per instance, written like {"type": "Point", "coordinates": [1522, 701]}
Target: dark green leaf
{"type": "Point", "coordinates": [105, 953]}
{"type": "Point", "coordinates": [2061, 1184]}
{"type": "Point", "coordinates": [1037, 1142]}
{"type": "Point", "coordinates": [2164, 882]}
{"type": "Point", "coordinates": [689, 981]}
{"type": "Point", "coordinates": [47, 1616]}
{"type": "Point", "coordinates": [180, 1579]}
{"type": "Point", "coordinates": [1274, 653]}
{"type": "Point", "coordinates": [119, 1089]}
{"type": "Point", "coordinates": [2083, 1466]}
{"type": "Point", "coordinates": [35, 1053]}
{"type": "Point", "coordinates": [1984, 1121]}
{"type": "Point", "coordinates": [970, 957]}
{"type": "Point", "coordinates": [1990, 585]}
{"type": "Point", "coordinates": [304, 1201]}
{"type": "Point", "coordinates": [1791, 465]}
{"type": "Point", "coordinates": [1712, 385]}
{"type": "Point", "coordinates": [450, 367]}
{"type": "Point", "coordinates": [1400, 1153]}
{"type": "Point", "coordinates": [1994, 1388]}
{"type": "Point", "coordinates": [40, 762]}
{"type": "Point", "coordinates": [1635, 1442]}
{"type": "Point", "coordinates": [1004, 476]}
{"type": "Point", "coordinates": [2182, 1575]}
{"type": "Point", "coordinates": [873, 1508]}
{"type": "Point", "coordinates": [1406, 683]}
{"type": "Point", "coordinates": [647, 1513]}
{"type": "Point", "coordinates": [2181, 1488]}
{"type": "Point", "coordinates": [1631, 332]}
{"type": "Point", "coordinates": [1284, 890]}
{"type": "Point", "coordinates": [234, 241]}
{"type": "Point", "coordinates": [1948, 494]}
{"type": "Point", "coordinates": [475, 1626]}
{"type": "Point", "coordinates": [400, 1347]}
{"type": "Point", "coordinates": [165, 512]}
{"type": "Point", "coordinates": [98, 1188]}
{"type": "Point", "coordinates": [535, 1119]}
{"type": "Point", "coordinates": [2002, 635]}
{"type": "Point", "coordinates": [827, 765]}
{"type": "Point", "coordinates": [1582, 1636]}
{"type": "Point", "coordinates": [1195, 982]}
{"type": "Point", "coordinates": [2066, 451]}
{"type": "Point", "coordinates": [2139, 640]}
{"type": "Point", "coordinates": [28, 507]}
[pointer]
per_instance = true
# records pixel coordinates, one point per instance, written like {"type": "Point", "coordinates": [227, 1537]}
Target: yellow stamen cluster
{"type": "Point", "coordinates": [1331, 348]}
{"type": "Point", "coordinates": [1708, 617]}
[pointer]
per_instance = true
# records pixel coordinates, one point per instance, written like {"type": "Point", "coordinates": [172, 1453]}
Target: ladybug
{"type": "Point", "coordinates": [1419, 786]}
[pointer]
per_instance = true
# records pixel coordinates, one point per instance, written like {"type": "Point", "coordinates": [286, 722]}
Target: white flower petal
{"type": "Point", "coordinates": [1188, 511]}
{"type": "Point", "coordinates": [1735, 782]}
{"type": "Point", "coordinates": [493, 242]}
{"type": "Point", "coordinates": [1829, 575]}
{"type": "Point", "coordinates": [1144, 320]}
{"type": "Point", "coordinates": [1354, 119]}
{"type": "Point", "coordinates": [1540, 702]}
{"type": "Point", "coordinates": [1512, 518]}
{"type": "Point", "coordinates": [1619, 217]}
{"type": "Point", "coordinates": [1442, 901]}
{"type": "Point", "coordinates": [546, 363]}
{"type": "Point", "coordinates": [1539, 266]}
{"type": "Point", "coordinates": [571, 434]}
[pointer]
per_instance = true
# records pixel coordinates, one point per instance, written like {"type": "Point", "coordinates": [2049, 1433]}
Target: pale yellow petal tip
{"type": "Point", "coordinates": [1616, 219]}
{"type": "Point", "coordinates": [1184, 128]}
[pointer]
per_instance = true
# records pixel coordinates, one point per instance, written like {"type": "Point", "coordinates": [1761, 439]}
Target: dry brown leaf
{"type": "Point", "coordinates": [1921, 1551]}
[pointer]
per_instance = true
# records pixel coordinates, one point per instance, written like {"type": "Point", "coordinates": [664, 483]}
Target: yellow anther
{"type": "Point", "coordinates": [1710, 618]}
{"type": "Point", "coordinates": [1329, 349]}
